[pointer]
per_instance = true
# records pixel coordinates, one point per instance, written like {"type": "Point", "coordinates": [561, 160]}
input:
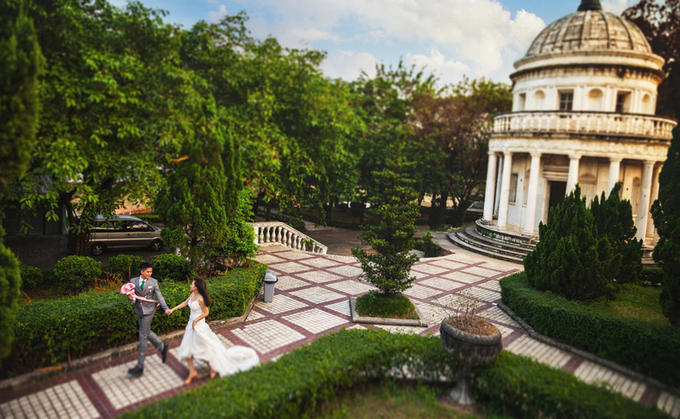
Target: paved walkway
{"type": "Point", "coordinates": [312, 300]}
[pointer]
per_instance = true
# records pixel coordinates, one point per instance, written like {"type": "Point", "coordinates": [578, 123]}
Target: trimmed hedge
{"type": "Point", "coordinates": [170, 266]}
{"type": "Point", "coordinates": [53, 331]}
{"type": "Point", "coordinates": [299, 381]}
{"type": "Point", "coordinates": [76, 273]}
{"type": "Point", "coordinates": [124, 266]}
{"type": "Point", "coordinates": [31, 277]}
{"type": "Point", "coordinates": [649, 348]}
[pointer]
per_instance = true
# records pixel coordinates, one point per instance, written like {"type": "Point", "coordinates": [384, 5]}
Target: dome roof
{"type": "Point", "coordinates": [589, 29]}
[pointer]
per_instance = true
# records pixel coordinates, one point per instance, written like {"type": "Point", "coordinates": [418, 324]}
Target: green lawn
{"type": "Point", "coordinates": [634, 301]}
{"type": "Point", "coordinates": [392, 400]}
{"type": "Point", "coordinates": [396, 306]}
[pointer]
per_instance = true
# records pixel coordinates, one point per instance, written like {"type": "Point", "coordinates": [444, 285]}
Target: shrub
{"type": "Point", "coordinates": [31, 277]}
{"type": "Point", "coordinates": [240, 235]}
{"type": "Point", "coordinates": [10, 282]}
{"type": "Point", "coordinates": [427, 246]}
{"type": "Point", "coordinates": [124, 266]}
{"type": "Point", "coordinates": [76, 273]}
{"type": "Point", "coordinates": [169, 266]}
{"type": "Point", "coordinates": [652, 275]}
{"type": "Point", "coordinates": [613, 218]}
{"type": "Point", "coordinates": [388, 265]}
{"type": "Point", "coordinates": [666, 213]}
{"type": "Point", "coordinates": [299, 381]}
{"type": "Point", "coordinates": [649, 348]}
{"type": "Point", "coordinates": [375, 304]}
{"type": "Point", "coordinates": [570, 259]}
{"type": "Point", "coordinates": [53, 331]}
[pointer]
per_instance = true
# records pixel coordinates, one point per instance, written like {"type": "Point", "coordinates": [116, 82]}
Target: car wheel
{"type": "Point", "coordinates": [156, 245]}
{"type": "Point", "coordinates": [97, 249]}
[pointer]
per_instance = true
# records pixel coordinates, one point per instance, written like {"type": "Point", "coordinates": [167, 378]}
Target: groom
{"type": "Point", "coordinates": [145, 286]}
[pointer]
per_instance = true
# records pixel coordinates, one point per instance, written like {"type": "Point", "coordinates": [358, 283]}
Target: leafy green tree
{"type": "Point", "coordinates": [666, 214]}
{"type": "Point", "coordinates": [613, 218]}
{"type": "Point", "coordinates": [201, 191]}
{"type": "Point", "coordinates": [570, 259]}
{"type": "Point", "coordinates": [390, 232]}
{"type": "Point", "coordinates": [20, 65]}
{"type": "Point", "coordinates": [112, 96]}
{"type": "Point", "coordinates": [240, 243]}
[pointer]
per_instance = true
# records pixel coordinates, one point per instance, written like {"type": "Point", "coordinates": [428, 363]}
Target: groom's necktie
{"type": "Point", "coordinates": [142, 286]}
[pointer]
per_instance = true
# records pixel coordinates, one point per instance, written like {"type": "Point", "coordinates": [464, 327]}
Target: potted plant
{"type": "Point", "coordinates": [471, 340]}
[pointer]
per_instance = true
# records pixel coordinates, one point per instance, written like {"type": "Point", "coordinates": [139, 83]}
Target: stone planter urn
{"type": "Point", "coordinates": [473, 342]}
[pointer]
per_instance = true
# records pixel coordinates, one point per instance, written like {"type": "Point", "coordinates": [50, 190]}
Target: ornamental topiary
{"type": "Point", "coordinates": [124, 266]}
{"type": "Point", "coordinates": [169, 266]}
{"type": "Point", "coordinates": [31, 277]}
{"type": "Point", "coordinates": [571, 259]}
{"type": "Point", "coordinates": [76, 273]}
{"type": "Point", "coordinates": [666, 213]}
{"type": "Point", "coordinates": [613, 218]}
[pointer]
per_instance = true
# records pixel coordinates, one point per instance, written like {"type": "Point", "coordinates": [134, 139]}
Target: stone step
{"type": "Point", "coordinates": [490, 245]}
{"type": "Point", "coordinates": [474, 233]}
{"type": "Point", "coordinates": [465, 245]}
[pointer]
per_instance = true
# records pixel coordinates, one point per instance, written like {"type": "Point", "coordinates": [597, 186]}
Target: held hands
{"type": "Point", "coordinates": [168, 312]}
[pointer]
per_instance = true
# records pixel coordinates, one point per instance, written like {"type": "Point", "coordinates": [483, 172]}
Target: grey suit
{"type": "Point", "coordinates": [145, 311]}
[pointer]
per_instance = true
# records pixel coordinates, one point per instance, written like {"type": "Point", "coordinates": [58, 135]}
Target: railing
{"type": "Point", "coordinates": [603, 123]}
{"type": "Point", "coordinates": [276, 232]}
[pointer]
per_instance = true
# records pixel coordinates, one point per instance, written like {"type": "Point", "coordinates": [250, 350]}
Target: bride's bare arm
{"type": "Point", "coordinates": [181, 305]}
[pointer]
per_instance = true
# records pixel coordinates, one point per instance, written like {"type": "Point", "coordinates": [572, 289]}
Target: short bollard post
{"type": "Point", "coordinates": [269, 281]}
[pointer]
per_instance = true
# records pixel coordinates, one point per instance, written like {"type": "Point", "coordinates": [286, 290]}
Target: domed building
{"type": "Point", "coordinates": [583, 112]}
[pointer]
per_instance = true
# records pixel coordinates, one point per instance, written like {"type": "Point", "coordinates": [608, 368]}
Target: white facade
{"type": "Point", "coordinates": [583, 112]}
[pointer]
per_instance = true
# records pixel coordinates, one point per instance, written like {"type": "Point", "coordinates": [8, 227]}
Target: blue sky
{"type": "Point", "coordinates": [452, 38]}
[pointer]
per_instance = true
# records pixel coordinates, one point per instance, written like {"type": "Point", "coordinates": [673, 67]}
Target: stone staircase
{"type": "Point", "coordinates": [489, 241]}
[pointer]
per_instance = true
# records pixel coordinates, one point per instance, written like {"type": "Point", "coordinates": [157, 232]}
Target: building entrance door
{"type": "Point", "coordinates": [557, 192]}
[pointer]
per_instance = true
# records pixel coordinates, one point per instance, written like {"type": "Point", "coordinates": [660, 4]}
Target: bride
{"type": "Point", "coordinates": [199, 342]}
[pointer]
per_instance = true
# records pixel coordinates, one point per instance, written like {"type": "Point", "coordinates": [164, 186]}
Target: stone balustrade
{"type": "Point", "coordinates": [276, 232]}
{"type": "Point", "coordinates": [602, 123]}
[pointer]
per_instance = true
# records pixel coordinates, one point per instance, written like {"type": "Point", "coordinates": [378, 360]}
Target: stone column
{"type": "Point", "coordinates": [655, 196]}
{"type": "Point", "coordinates": [499, 178]}
{"type": "Point", "coordinates": [645, 194]}
{"type": "Point", "coordinates": [572, 177]}
{"type": "Point", "coordinates": [530, 220]}
{"type": "Point", "coordinates": [614, 169]}
{"type": "Point", "coordinates": [505, 189]}
{"type": "Point", "coordinates": [490, 187]}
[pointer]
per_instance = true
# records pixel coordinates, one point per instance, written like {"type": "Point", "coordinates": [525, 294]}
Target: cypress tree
{"type": "Point", "coordinates": [20, 64]}
{"type": "Point", "coordinates": [614, 218]}
{"type": "Point", "coordinates": [393, 210]}
{"type": "Point", "coordinates": [666, 213]}
{"type": "Point", "coordinates": [570, 259]}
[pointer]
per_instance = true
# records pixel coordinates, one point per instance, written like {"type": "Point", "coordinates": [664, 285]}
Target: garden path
{"type": "Point", "coordinates": [311, 300]}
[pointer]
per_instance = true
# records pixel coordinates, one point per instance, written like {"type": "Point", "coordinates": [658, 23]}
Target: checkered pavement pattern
{"type": "Point", "coordinates": [312, 299]}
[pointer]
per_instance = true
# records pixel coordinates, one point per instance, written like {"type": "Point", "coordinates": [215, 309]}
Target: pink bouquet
{"type": "Point", "coordinates": [129, 289]}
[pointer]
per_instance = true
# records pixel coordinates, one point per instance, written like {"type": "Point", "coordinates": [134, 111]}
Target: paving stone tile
{"type": "Point", "coordinates": [341, 307]}
{"type": "Point", "coordinates": [442, 284]}
{"type": "Point", "coordinates": [289, 267]}
{"type": "Point", "coordinates": [476, 270]}
{"type": "Point", "coordinates": [352, 287]}
{"type": "Point", "coordinates": [294, 255]}
{"type": "Point", "coordinates": [286, 282]}
{"type": "Point", "coordinates": [254, 315]}
{"type": "Point", "coordinates": [347, 270]}
{"type": "Point", "coordinates": [123, 391]}
{"type": "Point", "coordinates": [316, 295]}
{"type": "Point", "coordinates": [315, 320]}
{"type": "Point", "coordinates": [401, 329]}
{"type": "Point", "coordinates": [462, 277]}
{"type": "Point", "coordinates": [496, 315]}
{"type": "Point", "coordinates": [448, 264]}
{"type": "Point", "coordinates": [67, 399]}
{"type": "Point", "coordinates": [484, 295]}
{"type": "Point", "coordinates": [319, 262]}
{"type": "Point", "coordinates": [419, 291]}
{"type": "Point", "coordinates": [428, 269]}
{"type": "Point", "coordinates": [267, 259]}
{"type": "Point", "coordinates": [280, 304]}
{"type": "Point", "coordinates": [319, 277]}
{"type": "Point", "coordinates": [267, 335]}
{"type": "Point", "coordinates": [418, 274]}
{"type": "Point", "coordinates": [492, 284]}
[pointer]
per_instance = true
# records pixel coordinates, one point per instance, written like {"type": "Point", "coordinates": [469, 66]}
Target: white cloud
{"type": "Point", "coordinates": [313, 35]}
{"type": "Point", "coordinates": [348, 65]}
{"type": "Point", "coordinates": [480, 32]}
{"type": "Point", "coordinates": [616, 6]}
{"type": "Point", "coordinates": [447, 71]}
{"type": "Point", "coordinates": [215, 15]}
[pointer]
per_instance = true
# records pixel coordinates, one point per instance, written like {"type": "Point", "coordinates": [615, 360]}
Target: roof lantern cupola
{"type": "Point", "coordinates": [589, 5]}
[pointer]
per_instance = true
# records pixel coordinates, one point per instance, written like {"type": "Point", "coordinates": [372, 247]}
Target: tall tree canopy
{"type": "Point", "coordinates": [660, 22]}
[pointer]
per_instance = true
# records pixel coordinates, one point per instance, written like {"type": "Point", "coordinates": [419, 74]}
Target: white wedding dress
{"type": "Point", "coordinates": [203, 344]}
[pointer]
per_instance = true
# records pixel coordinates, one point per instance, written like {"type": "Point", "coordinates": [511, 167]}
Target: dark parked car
{"type": "Point", "coordinates": [121, 231]}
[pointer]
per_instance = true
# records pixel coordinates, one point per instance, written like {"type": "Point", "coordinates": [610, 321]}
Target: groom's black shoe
{"type": "Point", "coordinates": [136, 372]}
{"type": "Point", "coordinates": [164, 352]}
